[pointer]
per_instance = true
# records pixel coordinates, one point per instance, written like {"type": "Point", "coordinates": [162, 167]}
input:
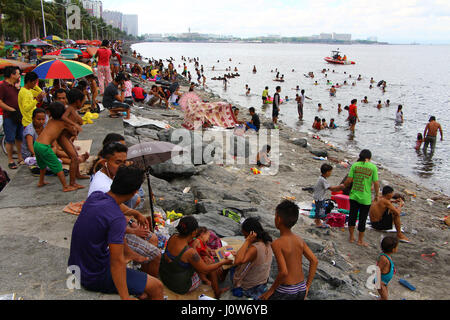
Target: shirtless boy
{"type": "Point", "coordinates": [430, 134]}
{"type": "Point", "coordinates": [45, 157]}
{"type": "Point", "coordinates": [76, 100]}
{"type": "Point", "coordinates": [382, 213]}
{"type": "Point", "coordinates": [289, 249]}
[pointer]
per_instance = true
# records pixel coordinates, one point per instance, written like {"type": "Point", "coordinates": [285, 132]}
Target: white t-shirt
{"type": "Point", "coordinates": [100, 182]}
{"type": "Point", "coordinates": [398, 117]}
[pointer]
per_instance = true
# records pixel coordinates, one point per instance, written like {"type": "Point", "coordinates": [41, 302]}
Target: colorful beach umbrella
{"type": "Point", "coordinates": [92, 50]}
{"type": "Point", "coordinates": [53, 38]}
{"type": "Point", "coordinates": [71, 50]}
{"type": "Point", "coordinates": [62, 69]}
{"type": "Point", "coordinates": [36, 44]}
{"type": "Point", "coordinates": [82, 41]}
{"type": "Point", "coordinates": [25, 67]}
{"type": "Point", "coordinates": [95, 43]}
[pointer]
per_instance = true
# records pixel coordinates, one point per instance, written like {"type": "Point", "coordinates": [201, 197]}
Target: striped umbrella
{"type": "Point", "coordinates": [71, 50]}
{"type": "Point", "coordinates": [62, 69]}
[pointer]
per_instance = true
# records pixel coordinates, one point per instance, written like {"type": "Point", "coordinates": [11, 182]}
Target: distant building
{"type": "Point", "coordinates": [342, 36]}
{"type": "Point", "coordinates": [113, 18]}
{"type": "Point", "coordinates": [153, 36]}
{"type": "Point", "coordinates": [130, 24]}
{"type": "Point", "coordinates": [374, 39]}
{"type": "Point", "coordinates": [326, 36]}
{"type": "Point", "coordinates": [93, 7]}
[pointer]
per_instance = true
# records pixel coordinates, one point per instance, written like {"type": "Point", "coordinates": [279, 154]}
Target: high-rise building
{"type": "Point", "coordinates": [342, 36]}
{"type": "Point", "coordinates": [113, 18]}
{"type": "Point", "coordinates": [93, 7]}
{"type": "Point", "coordinates": [130, 24]}
{"type": "Point", "coordinates": [325, 36]}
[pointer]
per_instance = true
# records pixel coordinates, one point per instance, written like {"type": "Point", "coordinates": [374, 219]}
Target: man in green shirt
{"type": "Point", "coordinates": [362, 175]}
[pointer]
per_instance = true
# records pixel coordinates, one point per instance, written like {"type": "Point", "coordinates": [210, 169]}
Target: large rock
{"type": "Point", "coordinates": [199, 150]}
{"type": "Point", "coordinates": [221, 225]}
{"type": "Point", "coordinates": [319, 153]}
{"type": "Point", "coordinates": [169, 170]}
{"type": "Point", "coordinates": [131, 141]}
{"type": "Point", "coordinates": [269, 125]}
{"type": "Point", "coordinates": [300, 142]}
{"type": "Point", "coordinates": [149, 133]}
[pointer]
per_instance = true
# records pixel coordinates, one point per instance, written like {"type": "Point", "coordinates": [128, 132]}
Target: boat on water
{"type": "Point", "coordinates": [338, 58]}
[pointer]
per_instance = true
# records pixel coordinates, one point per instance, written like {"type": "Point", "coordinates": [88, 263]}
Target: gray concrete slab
{"type": "Point", "coordinates": [22, 191]}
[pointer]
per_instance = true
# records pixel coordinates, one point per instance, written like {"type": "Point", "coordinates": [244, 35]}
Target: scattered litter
{"type": "Point", "coordinates": [448, 207]}
{"type": "Point", "coordinates": [10, 296]}
{"type": "Point", "coordinates": [446, 242]}
{"type": "Point", "coordinates": [428, 256]}
{"type": "Point", "coordinates": [161, 199]}
{"type": "Point", "coordinates": [255, 171]}
{"type": "Point", "coordinates": [356, 271]}
{"type": "Point", "coordinates": [413, 231]}
{"type": "Point", "coordinates": [407, 276]}
{"type": "Point", "coordinates": [186, 190]}
{"type": "Point", "coordinates": [65, 238]}
{"type": "Point", "coordinates": [205, 297]}
{"type": "Point", "coordinates": [289, 198]}
{"type": "Point", "coordinates": [409, 193]}
{"type": "Point", "coordinates": [406, 284]}
{"type": "Point", "coordinates": [430, 202]}
{"type": "Point", "coordinates": [20, 274]}
{"type": "Point", "coordinates": [43, 241]}
{"type": "Point", "coordinates": [333, 262]}
{"type": "Point", "coordinates": [320, 158]}
{"type": "Point", "coordinates": [373, 295]}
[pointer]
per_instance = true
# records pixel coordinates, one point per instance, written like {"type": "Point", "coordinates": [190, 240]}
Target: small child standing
{"type": "Point", "coordinates": [289, 249]}
{"type": "Point", "coordinates": [389, 245]}
{"type": "Point", "coordinates": [419, 141]}
{"type": "Point", "coordinates": [45, 157]}
{"type": "Point", "coordinates": [320, 190]}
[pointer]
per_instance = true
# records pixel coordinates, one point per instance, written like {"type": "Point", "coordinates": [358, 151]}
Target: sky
{"type": "Point", "coordinates": [393, 21]}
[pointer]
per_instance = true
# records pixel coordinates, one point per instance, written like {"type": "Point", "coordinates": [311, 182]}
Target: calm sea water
{"type": "Point", "coordinates": [417, 77]}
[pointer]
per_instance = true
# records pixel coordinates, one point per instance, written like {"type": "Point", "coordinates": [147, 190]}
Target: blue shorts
{"type": "Point", "coordinates": [136, 282]}
{"type": "Point", "coordinates": [251, 126]}
{"type": "Point", "coordinates": [320, 210]}
{"type": "Point", "coordinates": [13, 131]}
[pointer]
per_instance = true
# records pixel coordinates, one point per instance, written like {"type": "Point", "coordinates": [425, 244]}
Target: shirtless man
{"type": "Point", "coordinates": [430, 134]}
{"type": "Point", "coordinates": [383, 213]}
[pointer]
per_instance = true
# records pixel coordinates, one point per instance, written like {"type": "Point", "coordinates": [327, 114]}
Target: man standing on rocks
{"type": "Point", "coordinates": [276, 106]}
{"type": "Point", "coordinates": [430, 134]}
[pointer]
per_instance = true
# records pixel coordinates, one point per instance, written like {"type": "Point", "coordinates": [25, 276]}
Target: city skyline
{"type": "Point", "coordinates": [401, 21]}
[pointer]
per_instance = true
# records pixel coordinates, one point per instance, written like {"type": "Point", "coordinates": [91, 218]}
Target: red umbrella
{"type": "Point", "coordinates": [95, 43]}
{"type": "Point", "coordinates": [24, 67]}
{"type": "Point", "coordinates": [82, 42]}
{"type": "Point", "coordinates": [85, 55]}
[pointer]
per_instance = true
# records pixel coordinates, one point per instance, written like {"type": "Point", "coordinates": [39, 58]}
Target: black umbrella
{"type": "Point", "coordinates": [146, 154]}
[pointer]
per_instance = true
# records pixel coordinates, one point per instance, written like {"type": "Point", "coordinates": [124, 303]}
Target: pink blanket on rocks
{"type": "Point", "coordinates": [198, 114]}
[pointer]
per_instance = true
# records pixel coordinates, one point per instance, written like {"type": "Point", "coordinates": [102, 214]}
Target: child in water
{"type": "Point", "coordinates": [286, 99]}
{"type": "Point", "coordinates": [332, 125]}
{"type": "Point", "coordinates": [324, 124]}
{"type": "Point", "coordinates": [419, 141]}
{"type": "Point", "coordinates": [339, 108]}
{"type": "Point", "coordinates": [389, 245]}
{"type": "Point", "coordinates": [379, 104]}
{"type": "Point", "coordinates": [319, 107]}
{"type": "Point", "coordinates": [317, 125]}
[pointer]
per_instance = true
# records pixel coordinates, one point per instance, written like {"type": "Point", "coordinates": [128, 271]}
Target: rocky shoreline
{"type": "Point", "coordinates": [342, 266]}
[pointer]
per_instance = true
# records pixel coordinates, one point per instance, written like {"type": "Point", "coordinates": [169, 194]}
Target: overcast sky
{"type": "Point", "coordinates": [394, 21]}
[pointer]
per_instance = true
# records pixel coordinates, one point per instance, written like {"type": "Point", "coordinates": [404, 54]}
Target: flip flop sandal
{"type": "Point", "coordinates": [12, 165]}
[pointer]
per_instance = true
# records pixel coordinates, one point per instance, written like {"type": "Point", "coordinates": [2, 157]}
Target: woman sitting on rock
{"type": "Point", "coordinates": [253, 261]}
{"type": "Point", "coordinates": [180, 262]}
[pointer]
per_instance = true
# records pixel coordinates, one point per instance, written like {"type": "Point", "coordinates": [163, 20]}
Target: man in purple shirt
{"type": "Point", "coordinates": [98, 247]}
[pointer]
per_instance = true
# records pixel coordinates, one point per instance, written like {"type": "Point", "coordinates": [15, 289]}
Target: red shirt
{"type": "Point", "coordinates": [104, 55]}
{"type": "Point", "coordinates": [352, 110]}
{"type": "Point", "coordinates": [138, 93]}
{"type": "Point", "coordinates": [9, 95]}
